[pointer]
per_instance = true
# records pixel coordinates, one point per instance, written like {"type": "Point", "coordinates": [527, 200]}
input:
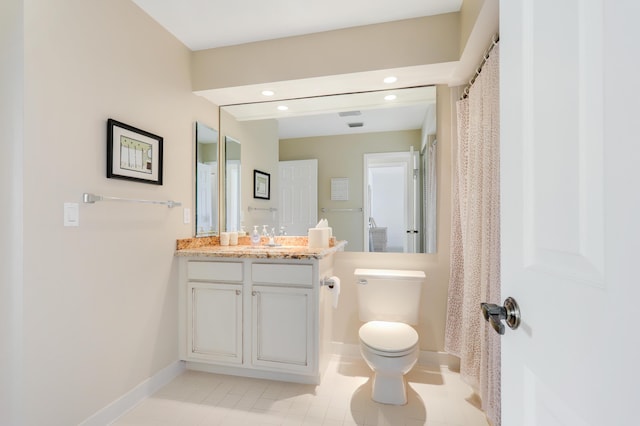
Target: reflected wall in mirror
{"type": "Point", "coordinates": [206, 180]}
{"type": "Point", "coordinates": [233, 183]}
{"type": "Point", "coordinates": [338, 131]}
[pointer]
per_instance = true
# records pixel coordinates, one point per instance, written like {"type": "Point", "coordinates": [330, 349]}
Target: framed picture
{"type": "Point", "coordinates": [133, 154]}
{"type": "Point", "coordinates": [261, 184]}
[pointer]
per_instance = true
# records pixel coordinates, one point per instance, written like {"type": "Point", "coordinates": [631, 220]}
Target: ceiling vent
{"type": "Point", "coordinates": [349, 113]}
{"type": "Point", "coordinates": [352, 125]}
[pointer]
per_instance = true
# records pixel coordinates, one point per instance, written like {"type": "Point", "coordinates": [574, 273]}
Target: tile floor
{"type": "Point", "coordinates": [437, 397]}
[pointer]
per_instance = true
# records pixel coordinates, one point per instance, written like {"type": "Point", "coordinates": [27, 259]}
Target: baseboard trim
{"type": "Point", "coordinates": [309, 379]}
{"type": "Point", "coordinates": [426, 358]}
{"type": "Point", "coordinates": [126, 402]}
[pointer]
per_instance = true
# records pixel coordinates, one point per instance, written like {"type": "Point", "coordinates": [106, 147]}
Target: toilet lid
{"type": "Point", "coordinates": [388, 336]}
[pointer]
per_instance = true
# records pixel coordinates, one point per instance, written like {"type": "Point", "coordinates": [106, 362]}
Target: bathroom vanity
{"type": "Point", "coordinates": [255, 311]}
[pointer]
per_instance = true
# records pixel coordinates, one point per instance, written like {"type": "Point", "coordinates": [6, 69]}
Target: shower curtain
{"type": "Point", "coordinates": [475, 239]}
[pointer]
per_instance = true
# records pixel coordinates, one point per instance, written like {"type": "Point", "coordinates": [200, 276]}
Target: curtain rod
{"type": "Point", "coordinates": [494, 42]}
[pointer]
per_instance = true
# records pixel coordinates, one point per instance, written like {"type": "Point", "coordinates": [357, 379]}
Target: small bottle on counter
{"type": "Point", "coordinates": [255, 236]}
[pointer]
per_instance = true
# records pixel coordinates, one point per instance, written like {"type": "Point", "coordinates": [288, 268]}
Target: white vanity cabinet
{"type": "Point", "coordinates": [283, 316]}
{"type": "Point", "coordinates": [254, 317]}
{"type": "Point", "coordinates": [214, 311]}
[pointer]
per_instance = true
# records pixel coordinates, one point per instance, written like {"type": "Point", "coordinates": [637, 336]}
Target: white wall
{"type": "Point", "coordinates": [100, 300]}
{"type": "Point", "coordinates": [11, 119]}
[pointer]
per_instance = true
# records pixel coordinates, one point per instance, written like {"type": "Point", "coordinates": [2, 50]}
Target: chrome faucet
{"type": "Point", "coordinates": [272, 237]}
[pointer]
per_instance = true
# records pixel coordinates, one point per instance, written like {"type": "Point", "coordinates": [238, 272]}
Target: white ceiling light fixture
{"type": "Point", "coordinates": [390, 98]}
{"type": "Point", "coordinates": [282, 107]}
{"type": "Point", "coordinates": [268, 93]}
{"type": "Point", "coordinates": [390, 79]}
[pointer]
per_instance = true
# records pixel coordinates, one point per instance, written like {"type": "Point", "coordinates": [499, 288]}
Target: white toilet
{"type": "Point", "coordinates": [388, 301]}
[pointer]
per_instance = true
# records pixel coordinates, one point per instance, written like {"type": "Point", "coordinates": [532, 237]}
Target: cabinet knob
{"type": "Point", "coordinates": [254, 293]}
{"type": "Point", "coordinates": [238, 292]}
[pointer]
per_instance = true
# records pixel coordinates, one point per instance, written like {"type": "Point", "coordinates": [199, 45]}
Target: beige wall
{"type": "Point", "coordinates": [436, 266]}
{"type": "Point", "coordinates": [100, 301]}
{"type": "Point", "coordinates": [419, 41]}
{"type": "Point", "coordinates": [11, 223]}
{"type": "Point", "coordinates": [343, 156]}
{"type": "Point", "coordinates": [469, 12]}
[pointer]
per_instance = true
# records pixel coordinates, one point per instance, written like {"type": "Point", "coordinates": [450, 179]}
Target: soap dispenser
{"type": "Point", "coordinates": [255, 236]}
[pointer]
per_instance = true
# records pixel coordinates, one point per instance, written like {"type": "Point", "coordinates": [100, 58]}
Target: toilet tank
{"type": "Point", "coordinates": [389, 295]}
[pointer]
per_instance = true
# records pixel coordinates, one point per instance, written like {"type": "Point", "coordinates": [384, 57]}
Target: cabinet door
{"type": "Point", "coordinates": [215, 332]}
{"type": "Point", "coordinates": [282, 323]}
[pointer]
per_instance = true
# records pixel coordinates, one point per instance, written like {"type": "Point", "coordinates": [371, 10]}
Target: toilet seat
{"type": "Point", "coordinates": [390, 339]}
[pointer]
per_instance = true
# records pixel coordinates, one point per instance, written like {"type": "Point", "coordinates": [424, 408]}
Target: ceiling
{"type": "Point", "coordinates": [344, 114]}
{"type": "Point", "coordinates": [203, 24]}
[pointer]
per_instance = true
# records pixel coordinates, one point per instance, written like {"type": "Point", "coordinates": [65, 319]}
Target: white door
{"type": "Point", "coordinates": [298, 195]}
{"type": "Point", "coordinates": [570, 155]}
{"type": "Point", "coordinates": [391, 185]}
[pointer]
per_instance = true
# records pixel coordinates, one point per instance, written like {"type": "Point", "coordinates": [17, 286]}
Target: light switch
{"type": "Point", "coordinates": [71, 214]}
{"type": "Point", "coordinates": [186, 215]}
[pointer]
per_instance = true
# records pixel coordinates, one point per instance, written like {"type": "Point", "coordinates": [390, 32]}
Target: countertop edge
{"type": "Point", "coordinates": [261, 253]}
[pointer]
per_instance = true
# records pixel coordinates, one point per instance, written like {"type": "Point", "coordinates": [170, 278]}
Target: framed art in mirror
{"type": "Point", "coordinates": [133, 154]}
{"type": "Point", "coordinates": [261, 184]}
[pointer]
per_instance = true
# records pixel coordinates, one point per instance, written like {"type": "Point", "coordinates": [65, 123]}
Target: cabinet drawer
{"type": "Point", "coordinates": [271, 273]}
{"type": "Point", "coordinates": [214, 271]}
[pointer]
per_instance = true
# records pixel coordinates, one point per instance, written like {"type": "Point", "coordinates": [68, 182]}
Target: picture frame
{"type": "Point", "coordinates": [133, 154]}
{"type": "Point", "coordinates": [261, 185]}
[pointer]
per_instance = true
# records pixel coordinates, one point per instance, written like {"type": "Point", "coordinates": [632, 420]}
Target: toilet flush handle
{"type": "Point", "coordinates": [362, 281]}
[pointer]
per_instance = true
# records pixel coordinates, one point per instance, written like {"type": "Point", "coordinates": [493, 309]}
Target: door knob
{"type": "Point", "coordinates": [495, 314]}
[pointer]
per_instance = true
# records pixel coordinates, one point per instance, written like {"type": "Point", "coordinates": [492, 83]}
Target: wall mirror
{"type": "Point", "coordinates": [206, 180]}
{"type": "Point", "coordinates": [343, 133]}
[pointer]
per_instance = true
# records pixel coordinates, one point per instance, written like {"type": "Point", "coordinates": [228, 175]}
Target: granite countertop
{"type": "Point", "coordinates": [288, 248]}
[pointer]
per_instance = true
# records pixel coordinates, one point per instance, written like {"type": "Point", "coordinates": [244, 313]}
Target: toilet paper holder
{"type": "Point", "coordinates": [326, 281]}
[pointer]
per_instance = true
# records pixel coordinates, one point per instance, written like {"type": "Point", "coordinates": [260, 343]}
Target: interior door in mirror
{"type": "Point", "coordinates": [206, 180]}
{"type": "Point", "coordinates": [233, 193]}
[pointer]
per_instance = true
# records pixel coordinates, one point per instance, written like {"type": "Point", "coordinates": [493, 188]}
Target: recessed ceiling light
{"type": "Point", "coordinates": [390, 97]}
{"type": "Point", "coordinates": [282, 107]}
{"type": "Point", "coordinates": [268, 93]}
{"type": "Point", "coordinates": [390, 79]}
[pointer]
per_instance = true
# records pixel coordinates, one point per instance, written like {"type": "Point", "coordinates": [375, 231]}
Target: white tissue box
{"type": "Point", "coordinates": [319, 237]}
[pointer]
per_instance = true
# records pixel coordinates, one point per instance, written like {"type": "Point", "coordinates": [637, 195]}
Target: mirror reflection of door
{"type": "Point", "coordinates": [206, 180]}
{"type": "Point", "coordinates": [392, 188]}
{"type": "Point", "coordinates": [233, 189]}
{"type": "Point", "coordinates": [298, 195]}
{"type": "Point", "coordinates": [207, 198]}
